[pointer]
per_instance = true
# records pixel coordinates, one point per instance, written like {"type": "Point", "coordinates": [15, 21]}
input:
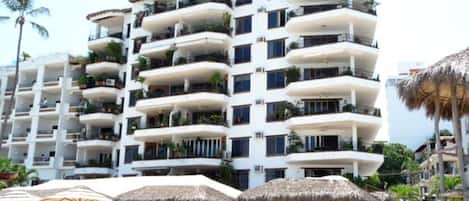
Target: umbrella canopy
{"type": "Point", "coordinates": [420, 90]}
{"type": "Point", "coordinates": [174, 193]}
{"type": "Point", "coordinates": [79, 193]}
{"type": "Point", "coordinates": [309, 189]}
{"type": "Point", "coordinates": [17, 196]}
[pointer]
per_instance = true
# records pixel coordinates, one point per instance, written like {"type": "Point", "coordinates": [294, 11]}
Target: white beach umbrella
{"type": "Point", "coordinates": [18, 196]}
{"type": "Point", "coordinates": [79, 193]}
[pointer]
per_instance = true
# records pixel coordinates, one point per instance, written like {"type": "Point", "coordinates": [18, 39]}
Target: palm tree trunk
{"type": "Point", "coordinates": [438, 143]}
{"type": "Point", "coordinates": [457, 133]}
{"type": "Point", "coordinates": [11, 104]}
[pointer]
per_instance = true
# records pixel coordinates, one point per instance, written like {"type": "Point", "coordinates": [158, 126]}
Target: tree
{"type": "Point", "coordinates": [22, 175]}
{"type": "Point", "coordinates": [451, 183]}
{"type": "Point", "coordinates": [23, 10]}
{"type": "Point", "coordinates": [395, 156]}
{"type": "Point", "coordinates": [405, 192]}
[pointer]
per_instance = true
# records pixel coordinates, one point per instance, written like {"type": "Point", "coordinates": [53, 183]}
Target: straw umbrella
{"type": "Point", "coordinates": [443, 90]}
{"type": "Point", "coordinates": [79, 193]}
{"type": "Point", "coordinates": [308, 189]}
{"type": "Point", "coordinates": [174, 193]}
{"type": "Point", "coordinates": [18, 196]}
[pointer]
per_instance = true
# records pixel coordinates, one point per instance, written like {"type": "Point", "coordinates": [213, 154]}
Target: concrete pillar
{"type": "Point", "coordinates": [350, 3]}
{"type": "Point", "coordinates": [352, 64]}
{"type": "Point", "coordinates": [353, 97]}
{"type": "Point", "coordinates": [351, 31]}
{"type": "Point", "coordinates": [186, 84]}
{"type": "Point", "coordinates": [354, 137]}
{"type": "Point", "coordinates": [355, 169]}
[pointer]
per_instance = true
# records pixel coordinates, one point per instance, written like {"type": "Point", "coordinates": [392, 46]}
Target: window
{"type": "Point", "coordinates": [276, 19]}
{"type": "Point", "coordinates": [242, 83]}
{"type": "Point", "coordinates": [271, 174]}
{"type": "Point", "coordinates": [243, 2]}
{"type": "Point", "coordinates": [128, 30]}
{"type": "Point", "coordinates": [138, 42]}
{"type": "Point", "coordinates": [321, 106]}
{"type": "Point", "coordinates": [276, 79]}
{"type": "Point", "coordinates": [275, 111]}
{"type": "Point", "coordinates": [321, 143]}
{"type": "Point", "coordinates": [241, 114]}
{"type": "Point", "coordinates": [133, 98]}
{"type": "Point", "coordinates": [275, 145]}
{"type": "Point", "coordinates": [241, 179]}
{"type": "Point", "coordinates": [243, 25]}
{"type": "Point", "coordinates": [275, 48]}
{"type": "Point", "coordinates": [240, 147]}
{"type": "Point", "coordinates": [132, 125]}
{"type": "Point", "coordinates": [242, 54]}
{"type": "Point", "coordinates": [131, 153]}
{"type": "Point", "coordinates": [321, 172]}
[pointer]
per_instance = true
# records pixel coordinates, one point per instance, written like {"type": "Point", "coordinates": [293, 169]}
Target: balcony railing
{"type": "Point", "coordinates": [218, 120]}
{"type": "Point", "coordinates": [160, 7]}
{"type": "Point", "coordinates": [106, 35]}
{"type": "Point", "coordinates": [26, 86]}
{"type": "Point", "coordinates": [163, 155]}
{"type": "Point", "coordinates": [45, 134]}
{"type": "Point", "coordinates": [19, 137]}
{"type": "Point", "coordinates": [102, 81]}
{"type": "Point", "coordinates": [331, 73]}
{"type": "Point", "coordinates": [217, 28]}
{"type": "Point", "coordinates": [105, 108]}
{"type": "Point", "coordinates": [9, 92]}
{"type": "Point", "coordinates": [198, 89]}
{"type": "Point", "coordinates": [42, 161]}
{"type": "Point", "coordinates": [94, 164]}
{"type": "Point", "coordinates": [22, 112]}
{"type": "Point", "coordinates": [344, 146]}
{"type": "Point", "coordinates": [102, 136]}
{"type": "Point", "coordinates": [163, 63]}
{"type": "Point", "coordinates": [348, 108]}
{"type": "Point", "coordinates": [312, 41]}
{"type": "Point", "coordinates": [370, 9]}
{"type": "Point", "coordinates": [48, 107]}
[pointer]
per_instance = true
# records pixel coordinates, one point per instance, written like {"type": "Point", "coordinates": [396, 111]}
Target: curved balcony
{"type": "Point", "coordinates": [102, 88]}
{"type": "Point", "coordinates": [103, 67]}
{"type": "Point", "coordinates": [345, 117]}
{"type": "Point", "coordinates": [341, 81]}
{"type": "Point", "coordinates": [202, 128]}
{"type": "Point", "coordinates": [164, 15]}
{"type": "Point", "coordinates": [200, 67]}
{"type": "Point", "coordinates": [93, 168]}
{"type": "Point", "coordinates": [100, 115]}
{"type": "Point", "coordinates": [192, 42]}
{"type": "Point", "coordinates": [335, 47]}
{"type": "Point", "coordinates": [368, 163]}
{"type": "Point", "coordinates": [332, 17]}
{"type": "Point", "coordinates": [202, 97]}
{"type": "Point", "coordinates": [100, 42]}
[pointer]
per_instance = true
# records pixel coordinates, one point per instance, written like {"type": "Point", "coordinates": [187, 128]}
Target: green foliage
{"type": "Point", "coordinates": [142, 63]}
{"type": "Point", "coordinates": [226, 173]}
{"type": "Point", "coordinates": [25, 56]}
{"type": "Point", "coordinates": [451, 184]}
{"type": "Point", "coordinates": [83, 80]}
{"type": "Point", "coordinates": [373, 181]}
{"type": "Point", "coordinates": [23, 175]}
{"type": "Point", "coordinates": [395, 155]}
{"type": "Point", "coordinates": [293, 74]}
{"type": "Point", "coordinates": [294, 143]}
{"type": "Point", "coordinates": [405, 192]}
{"type": "Point", "coordinates": [216, 80]}
{"type": "Point", "coordinates": [170, 54]}
{"type": "Point", "coordinates": [140, 79]}
{"type": "Point", "coordinates": [114, 50]}
{"type": "Point", "coordinates": [226, 19]}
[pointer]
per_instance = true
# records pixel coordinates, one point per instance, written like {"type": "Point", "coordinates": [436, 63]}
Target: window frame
{"type": "Point", "coordinates": [237, 27]}
{"type": "Point", "coordinates": [267, 119]}
{"type": "Point", "coordinates": [129, 159]}
{"type": "Point", "coordinates": [276, 152]}
{"type": "Point", "coordinates": [239, 139]}
{"type": "Point", "coordinates": [266, 179]}
{"type": "Point", "coordinates": [247, 46]}
{"type": "Point", "coordinates": [246, 2]}
{"type": "Point", "coordinates": [272, 42]}
{"type": "Point", "coordinates": [278, 13]}
{"type": "Point", "coordinates": [234, 84]}
{"type": "Point", "coordinates": [237, 174]}
{"type": "Point", "coordinates": [248, 117]}
{"type": "Point", "coordinates": [284, 79]}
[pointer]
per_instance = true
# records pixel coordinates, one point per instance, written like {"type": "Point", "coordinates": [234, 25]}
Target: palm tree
{"type": "Point", "coordinates": [23, 9]}
{"type": "Point", "coordinates": [22, 175]}
{"type": "Point", "coordinates": [405, 192]}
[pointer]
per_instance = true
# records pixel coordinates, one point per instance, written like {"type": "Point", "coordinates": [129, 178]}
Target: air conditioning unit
{"type": "Point", "coordinates": [110, 82]}
{"type": "Point", "coordinates": [260, 39]}
{"type": "Point", "coordinates": [259, 69]}
{"type": "Point", "coordinates": [261, 9]}
{"type": "Point", "coordinates": [258, 168]}
{"type": "Point", "coordinates": [259, 101]}
{"type": "Point", "coordinates": [227, 156]}
{"type": "Point", "coordinates": [259, 134]}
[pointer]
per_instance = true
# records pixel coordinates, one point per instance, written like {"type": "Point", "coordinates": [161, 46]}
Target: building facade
{"type": "Point", "coordinates": [271, 88]}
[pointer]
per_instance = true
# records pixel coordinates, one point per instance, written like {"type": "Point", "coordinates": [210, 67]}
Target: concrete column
{"type": "Point", "coordinates": [352, 64]}
{"type": "Point", "coordinates": [355, 169]}
{"type": "Point", "coordinates": [351, 31]}
{"type": "Point", "coordinates": [353, 97]}
{"type": "Point", "coordinates": [187, 84]}
{"type": "Point", "coordinates": [98, 31]}
{"type": "Point", "coordinates": [354, 137]}
{"type": "Point", "coordinates": [177, 28]}
{"type": "Point", "coordinates": [350, 3]}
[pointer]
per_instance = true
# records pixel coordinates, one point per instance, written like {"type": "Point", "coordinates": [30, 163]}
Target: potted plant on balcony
{"type": "Point", "coordinates": [293, 74]}
{"type": "Point", "coordinates": [217, 80]}
{"type": "Point", "coordinates": [180, 61]}
{"type": "Point", "coordinates": [170, 54]}
{"type": "Point", "coordinates": [114, 52]}
{"type": "Point", "coordinates": [348, 108]}
{"type": "Point", "coordinates": [294, 143]}
{"type": "Point", "coordinates": [100, 80]}
{"type": "Point", "coordinates": [176, 119]}
{"type": "Point", "coordinates": [227, 22]}
{"type": "Point", "coordinates": [293, 45]}
{"type": "Point", "coordinates": [142, 63]}
{"type": "Point", "coordinates": [83, 81]}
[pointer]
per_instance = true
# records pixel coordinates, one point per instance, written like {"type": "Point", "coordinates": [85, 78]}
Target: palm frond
{"type": "Point", "coordinates": [39, 11]}
{"type": "Point", "coordinates": [2, 18]}
{"type": "Point", "coordinates": [12, 5]}
{"type": "Point", "coordinates": [41, 30]}
{"type": "Point", "coordinates": [26, 4]}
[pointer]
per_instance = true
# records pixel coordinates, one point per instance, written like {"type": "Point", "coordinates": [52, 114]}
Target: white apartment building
{"type": "Point", "coordinates": [274, 88]}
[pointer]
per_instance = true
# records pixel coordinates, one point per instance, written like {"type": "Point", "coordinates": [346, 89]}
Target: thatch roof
{"type": "Point", "coordinates": [174, 193]}
{"type": "Point", "coordinates": [419, 90]}
{"type": "Point", "coordinates": [318, 189]}
{"type": "Point", "coordinates": [18, 196]}
{"type": "Point", "coordinates": [80, 193]}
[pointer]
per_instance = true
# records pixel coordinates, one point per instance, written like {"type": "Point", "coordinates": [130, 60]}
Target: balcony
{"type": "Point", "coordinates": [103, 140]}
{"type": "Point", "coordinates": [23, 113]}
{"type": "Point", "coordinates": [334, 80]}
{"type": "Point", "coordinates": [166, 14]}
{"type": "Point", "coordinates": [43, 162]}
{"type": "Point", "coordinates": [335, 47]}
{"type": "Point", "coordinates": [201, 96]}
{"type": "Point", "coordinates": [100, 116]}
{"type": "Point", "coordinates": [25, 89]}
{"type": "Point", "coordinates": [52, 85]}
{"type": "Point", "coordinates": [102, 87]}
{"type": "Point", "coordinates": [46, 135]}
{"type": "Point", "coordinates": [19, 138]}
{"type": "Point", "coordinates": [332, 17]}
{"type": "Point", "coordinates": [211, 126]}
{"type": "Point", "coordinates": [363, 116]}
{"type": "Point", "coordinates": [93, 167]}
{"type": "Point", "coordinates": [108, 60]}
{"type": "Point", "coordinates": [8, 93]}
{"type": "Point", "coordinates": [98, 42]}
{"type": "Point", "coordinates": [49, 109]}
{"type": "Point", "coordinates": [200, 66]}
{"type": "Point", "coordinates": [73, 135]}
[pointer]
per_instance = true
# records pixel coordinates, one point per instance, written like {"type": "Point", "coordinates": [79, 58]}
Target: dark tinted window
{"type": "Point", "coordinates": [241, 179]}
{"type": "Point", "coordinates": [275, 145]}
{"type": "Point", "coordinates": [275, 111]}
{"type": "Point", "coordinates": [241, 115]}
{"type": "Point", "coordinates": [243, 2]}
{"type": "Point", "coordinates": [275, 79]}
{"type": "Point", "coordinates": [242, 54]}
{"type": "Point", "coordinates": [132, 98]}
{"type": "Point", "coordinates": [240, 147]}
{"type": "Point", "coordinates": [242, 83]}
{"type": "Point", "coordinates": [132, 125]}
{"type": "Point", "coordinates": [276, 19]}
{"type": "Point", "coordinates": [276, 48]}
{"type": "Point", "coordinates": [271, 174]}
{"type": "Point", "coordinates": [131, 153]}
{"type": "Point", "coordinates": [243, 25]}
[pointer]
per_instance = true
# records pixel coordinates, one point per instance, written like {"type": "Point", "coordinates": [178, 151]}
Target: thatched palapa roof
{"type": "Point", "coordinates": [318, 189]}
{"type": "Point", "coordinates": [79, 193]}
{"type": "Point", "coordinates": [419, 90]}
{"type": "Point", "coordinates": [174, 193]}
